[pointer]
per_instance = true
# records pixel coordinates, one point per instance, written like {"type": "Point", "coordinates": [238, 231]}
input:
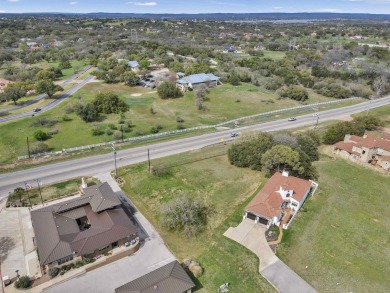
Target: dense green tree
{"type": "Point", "coordinates": [309, 146]}
{"type": "Point", "coordinates": [130, 78]}
{"type": "Point", "coordinates": [47, 87]}
{"type": "Point", "coordinates": [168, 89]}
{"type": "Point", "coordinates": [248, 150]}
{"type": "Point", "coordinates": [14, 92]}
{"type": "Point", "coordinates": [294, 92]}
{"type": "Point", "coordinates": [88, 112]}
{"type": "Point", "coordinates": [281, 157]}
{"type": "Point", "coordinates": [41, 135]}
{"type": "Point", "coordinates": [108, 102]}
{"type": "Point", "coordinates": [144, 64]}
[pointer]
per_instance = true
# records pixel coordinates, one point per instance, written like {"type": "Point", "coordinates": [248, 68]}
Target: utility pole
{"type": "Point", "coordinates": [28, 195]}
{"type": "Point", "coordinates": [39, 188]}
{"type": "Point", "coordinates": [148, 160]}
{"type": "Point", "coordinates": [318, 118]}
{"type": "Point", "coordinates": [28, 149]}
{"type": "Point", "coordinates": [116, 170]}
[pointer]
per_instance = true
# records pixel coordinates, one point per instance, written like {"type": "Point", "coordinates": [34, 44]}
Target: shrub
{"type": "Point", "coordinates": [62, 272]}
{"type": "Point", "coordinates": [112, 126]}
{"type": "Point", "coordinates": [294, 92]}
{"type": "Point", "coordinates": [87, 260]}
{"type": "Point", "coordinates": [196, 269]}
{"type": "Point", "coordinates": [88, 113]}
{"type": "Point", "coordinates": [117, 135]}
{"type": "Point", "coordinates": [154, 130]}
{"type": "Point", "coordinates": [53, 272]}
{"type": "Point", "coordinates": [96, 131]}
{"type": "Point", "coordinates": [139, 133]}
{"type": "Point", "coordinates": [109, 131]}
{"type": "Point", "coordinates": [39, 148]}
{"type": "Point", "coordinates": [179, 119]}
{"type": "Point", "coordinates": [180, 127]}
{"type": "Point", "coordinates": [79, 263]}
{"type": "Point", "coordinates": [53, 131]}
{"type": "Point", "coordinates": [160, 170]}
{"type": "Point", "coordinates": [186, 215]}
{"type": "Point", "coordinates": [168, 89]}
{"type": "Point", "coordinates": [23, 282]}
{"type": "Point", "coordinates": [121, 121]}
{"type": "Point", "coordinates": [66, 118]}
{"type": "Point", "coordinates": [129, 123]}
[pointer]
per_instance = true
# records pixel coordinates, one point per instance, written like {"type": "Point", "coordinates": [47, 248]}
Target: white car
{"type": "Point", "coordinates": [292, 119]}
{"type": "Point", "coordinates": [314, 114]}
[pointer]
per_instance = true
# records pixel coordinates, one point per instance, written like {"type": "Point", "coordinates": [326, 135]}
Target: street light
{"type": "Point", "coordinates": [116, 170]}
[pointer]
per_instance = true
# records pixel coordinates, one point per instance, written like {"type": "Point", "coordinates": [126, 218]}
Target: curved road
{"type": "Point", "coordinates": [105, 163]}
{"type": "Point", "coordinates": [52, 104]}
{"type": "Point", "coordinates": [42, 96]}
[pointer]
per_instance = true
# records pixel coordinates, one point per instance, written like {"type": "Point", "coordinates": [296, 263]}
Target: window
{"type": "Point", "coordinates": [65, 259]}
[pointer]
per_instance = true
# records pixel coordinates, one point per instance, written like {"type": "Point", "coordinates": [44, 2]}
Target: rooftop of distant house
{"type": "Point", "coordinates": [171, 278]}
{"type": "Point", "coordinates": [198, 78]}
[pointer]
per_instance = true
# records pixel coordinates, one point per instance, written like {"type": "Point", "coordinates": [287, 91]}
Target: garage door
{"type": "Point", "coordinates": [263, 221]}
{"type": "Point", "coordinates": [251, 216]}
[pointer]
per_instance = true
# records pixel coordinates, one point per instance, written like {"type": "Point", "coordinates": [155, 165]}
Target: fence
{"type": "Point", "coordinates": [175, 132]}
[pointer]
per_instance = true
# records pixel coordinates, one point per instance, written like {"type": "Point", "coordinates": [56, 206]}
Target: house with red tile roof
{"type": "Point", "coordinates": [4, 83]}
{"type": "Point", "coordinates": [279, 201]}
{"type": "Point", "coordinates": [366, 149]}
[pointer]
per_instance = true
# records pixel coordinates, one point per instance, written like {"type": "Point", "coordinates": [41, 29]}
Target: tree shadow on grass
{"type": "Point", "coordinates": [6, 244]}
{"type": "Point", "coordinates": [198, 284]}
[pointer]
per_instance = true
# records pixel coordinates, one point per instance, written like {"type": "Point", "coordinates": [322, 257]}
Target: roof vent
{"type": "Point", "coordinates": [155, 287]}
{"type": "Point", "coordinates": [285, 173]}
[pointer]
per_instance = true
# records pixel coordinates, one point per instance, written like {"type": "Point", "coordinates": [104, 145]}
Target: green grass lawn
{"type": "Point", "coordinates": [53, 191]}
{"type": "Point", "coordinates": [219, 185]}
{"type": "Point", "coordinates": [225, 102]}
{"type": "Point", "coordinates": [342, 234]}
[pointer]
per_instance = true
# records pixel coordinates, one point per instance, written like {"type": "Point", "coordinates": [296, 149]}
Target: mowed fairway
{"type": "Point", "coordinates": [222, 187]}
{"type": "Point", "coordinates": [342, 235]}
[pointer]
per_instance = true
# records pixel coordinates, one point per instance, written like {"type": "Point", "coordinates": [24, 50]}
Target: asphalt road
{"type": "Point", "coordinates": [42, 96]}
{"type": "Point", "coordinates": [52, 104]}
{"type": "Point", "coordinates": [105, 163]}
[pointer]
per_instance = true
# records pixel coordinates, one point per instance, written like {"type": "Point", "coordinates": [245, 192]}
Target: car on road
{"type": "Point", "coordinates": [234, 134]}
{"type": "Point", "coordinates": [292, 119]}
{"type": "Point", "coordinates": [37, 109]}
{"type": "Point", "coordinates": [314, 114]}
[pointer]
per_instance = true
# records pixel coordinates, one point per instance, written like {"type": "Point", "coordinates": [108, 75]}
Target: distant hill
{"type": "Point", "coordinates": [217, 16]}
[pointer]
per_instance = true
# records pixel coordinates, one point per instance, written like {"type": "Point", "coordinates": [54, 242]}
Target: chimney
{"type": "Point", "coordinates": [285, 173]}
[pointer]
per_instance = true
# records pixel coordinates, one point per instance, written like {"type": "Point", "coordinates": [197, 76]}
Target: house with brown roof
{"type": "Point", "coordinates": [279, 201]}
{"type": "Point", "coordinates": [366, 149]}
{"type": "Point", "coordinates": [4, 83]}
{"type": "Point", "coordinates": [81, 227]}
{"type": "Point", "coordinates": [171, 278]}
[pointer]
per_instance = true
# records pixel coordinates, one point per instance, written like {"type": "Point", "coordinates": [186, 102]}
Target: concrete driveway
{"type": "Point", "coordinates": [252, 236]}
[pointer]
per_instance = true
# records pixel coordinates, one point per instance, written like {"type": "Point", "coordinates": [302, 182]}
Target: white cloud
{"type": "Point", "coordinates": [73, 3]}
{"type": "Point", "coordinates": [143, 3]}
{"type": "Point", "coordinates": [278, 7]}
{"type": "Point", "coordinates": [13, 0]}
{"type": "Point", "coordinates": [3, 11]}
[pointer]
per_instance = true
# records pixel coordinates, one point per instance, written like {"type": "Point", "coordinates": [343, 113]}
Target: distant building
{"type": "Point", "coordinates": [82, 227]}
{"type": "Point", "coordinates": [279, 201]}
{"type": "Point", "coordinates": [229, 49]}
{"type": "Point", "coordinates": [171, 278]}
{"type": "Point", "coordinates": [134, 65]}
{"type": "Point", "coordinates": [191, 82]}
{"type": "Point", "coordinates": [366, 149]}
{"type": "Point", "coordinates": [4, 83]}
{"type": "Point", "coordinates": [180, 75]}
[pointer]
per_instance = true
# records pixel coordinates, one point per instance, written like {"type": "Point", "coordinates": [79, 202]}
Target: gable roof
{"type": "Point", "coordinates": [268, 201]}
{"type": "Point", "coordinates": [133, 64]}
{"type": "Point", "coordinates": [198, 78]}
{"type": "Point", "coordinates": [170, 278]}
{"type": "Point", "coordinates": [57, 232]}
{"type": "Point", "coordinates": [370, 141]}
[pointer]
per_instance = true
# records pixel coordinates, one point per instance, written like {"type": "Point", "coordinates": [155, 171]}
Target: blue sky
{"type": "Point", "coordinates": [197, 6]}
